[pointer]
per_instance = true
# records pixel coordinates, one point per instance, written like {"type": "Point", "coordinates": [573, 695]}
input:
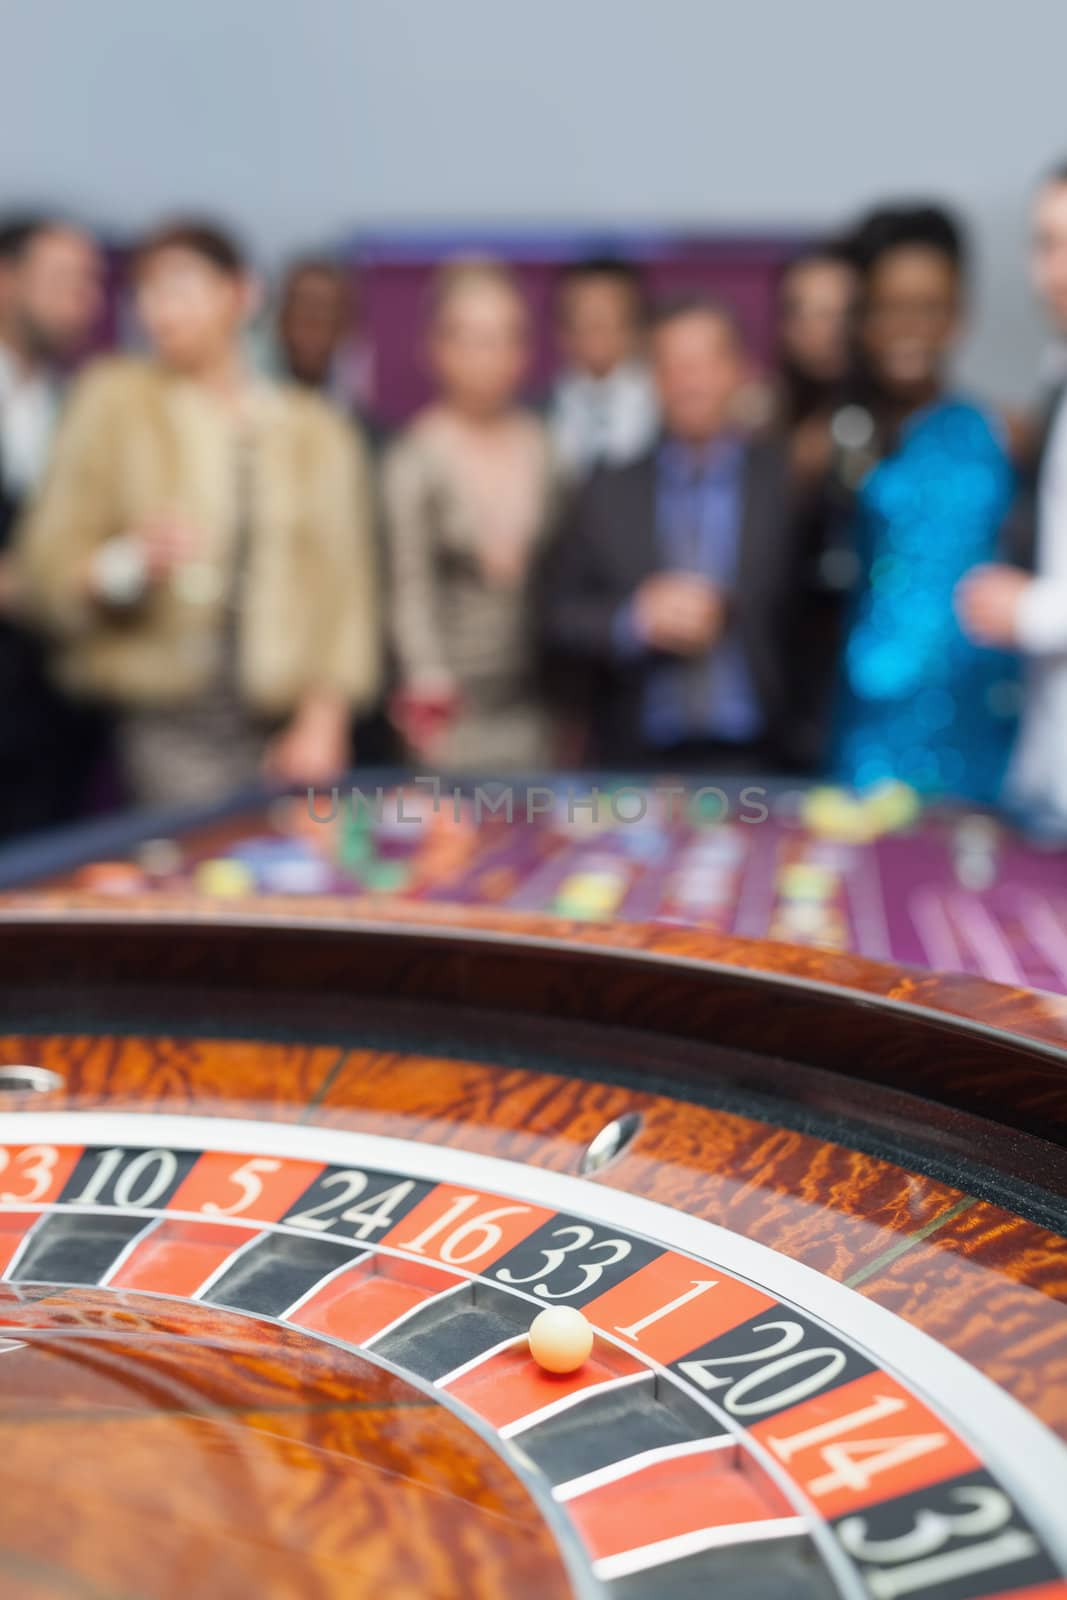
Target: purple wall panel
{"type": "Point", "coordinates": [395, 273]}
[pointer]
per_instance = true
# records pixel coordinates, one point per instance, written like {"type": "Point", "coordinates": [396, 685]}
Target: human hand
{"type": "Point", "coordinates": [314, 747]}
{"type": "Point", "coordinates": [423, 711]}
{"type": "Point", "coordinates": [167, 543]}
{"type": "Point", "coordinates": [987, 604]}
{"type": "Point", "coordinates": [679, 612]}
{"type": "Point", "coordinates": [120, 571]}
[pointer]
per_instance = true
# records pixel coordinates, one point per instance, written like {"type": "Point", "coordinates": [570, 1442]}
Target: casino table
{"type": "Point", "coordinates": [286, 1177]}
{"type": "Point", "coordinates": [938, 887]}
{"type": "Point", "coordinates": [309, 1111]}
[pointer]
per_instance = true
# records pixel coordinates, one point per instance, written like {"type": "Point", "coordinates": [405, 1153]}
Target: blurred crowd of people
{"type": "Point", "coordinates": [210, 573]}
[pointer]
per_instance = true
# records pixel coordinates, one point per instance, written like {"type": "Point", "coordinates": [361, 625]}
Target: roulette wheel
{"type": "Point", "coordinates": [283, 1187]}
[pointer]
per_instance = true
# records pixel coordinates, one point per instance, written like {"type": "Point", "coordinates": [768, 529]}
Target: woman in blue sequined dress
{"type": "Point", "coordinates": [917, 700]}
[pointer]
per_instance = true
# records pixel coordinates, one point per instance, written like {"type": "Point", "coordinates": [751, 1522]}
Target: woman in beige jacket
{"type": "Point", "coordinates": [469, 491]}
{"type": "Point", "coordinates": [202, 550]}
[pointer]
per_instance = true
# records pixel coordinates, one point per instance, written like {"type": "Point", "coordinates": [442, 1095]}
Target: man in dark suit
{"type": "Point", "coordinates": [666, 592]}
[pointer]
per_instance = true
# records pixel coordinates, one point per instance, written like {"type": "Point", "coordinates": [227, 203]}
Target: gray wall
{"type": "Point", "coordinates": [305, 118]}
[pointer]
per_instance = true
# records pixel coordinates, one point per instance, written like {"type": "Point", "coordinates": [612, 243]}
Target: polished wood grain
{"type": "Point", "coordinates": [155, 1449]}
{"type": "Point", "coordinates": [1023, 1013]}
{"type": "Point", "coordinates": [685, 1003]}
{"type": "Point", "coordinates": [994, 1288]}
{"type": "Point", "coordinates": [180, 1074]}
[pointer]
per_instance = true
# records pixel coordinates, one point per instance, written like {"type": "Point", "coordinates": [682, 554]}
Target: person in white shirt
{"type": "Point", "coordinates": [1008, 606]}
{"type": "Point", "coordinates": [603, 409]}
{"type": "Point", "coordinates": [51, 281]}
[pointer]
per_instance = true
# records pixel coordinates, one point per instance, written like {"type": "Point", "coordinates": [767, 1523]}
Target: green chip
{"type": "Point", "coordinates": [357, 841]}
{"type": "Point", "coordinates": [386, 877]}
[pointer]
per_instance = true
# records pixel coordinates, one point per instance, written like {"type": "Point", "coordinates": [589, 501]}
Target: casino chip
{"type": "Point", "coordinates": [110, 877]}
{"type": "Point", "coordinates": [160, 858]}
{"type": "Point", "coordinates": [224, 878]}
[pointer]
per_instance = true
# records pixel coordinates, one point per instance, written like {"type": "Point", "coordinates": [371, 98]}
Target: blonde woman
{"type": "Point", "coordinates": [469, 492]}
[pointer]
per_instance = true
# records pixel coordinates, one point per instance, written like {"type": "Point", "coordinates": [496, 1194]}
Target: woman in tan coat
{"type": "Point", "coordinates": [469, 491]}
{"type": "Point", "coordinates": [201, 551]}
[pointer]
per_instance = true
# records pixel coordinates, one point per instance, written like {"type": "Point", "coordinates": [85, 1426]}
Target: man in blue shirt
{"type": "Point", "coordinates": [668, 590]}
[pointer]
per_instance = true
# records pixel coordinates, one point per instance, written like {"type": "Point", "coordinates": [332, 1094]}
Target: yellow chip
{"type": "Point", "coordinates": [592, 888]}
{"type": "Point", "coordinates": [833, 814]}
{"type": "Point", "coordinates": [895, 805]}
{"type": "Point", "coordinates": [822, 801]}
{"type": "Point", "coordinates": [224, 878]}
{"type": "Point", "coordinates": [806, 880]}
